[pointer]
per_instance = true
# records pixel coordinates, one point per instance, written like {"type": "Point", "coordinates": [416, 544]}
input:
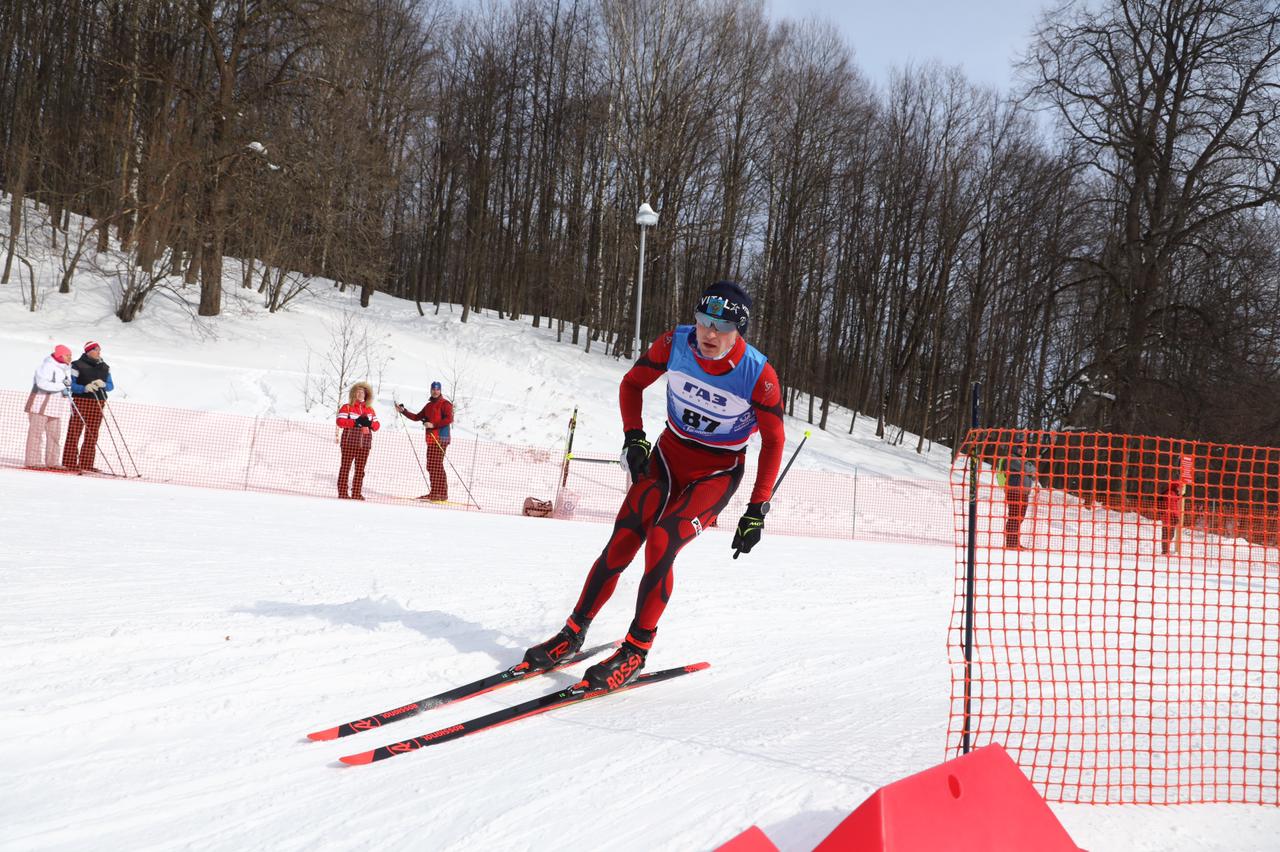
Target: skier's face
{"type": "Point", "coordinates": [713, 344]}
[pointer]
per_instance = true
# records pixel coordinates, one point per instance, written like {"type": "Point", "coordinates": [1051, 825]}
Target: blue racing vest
{"type": "Point", "coordinates": [711, 410]}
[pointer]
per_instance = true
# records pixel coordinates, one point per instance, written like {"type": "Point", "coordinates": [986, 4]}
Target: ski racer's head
{"type": "Point", "coordinates": [435, 390]}
{"type": "Point", "coordinates": [62, 354]}
{"type": "Point", "coordinates": [93, 350]}
{"type": "Point", "coordinates": [723, 313]}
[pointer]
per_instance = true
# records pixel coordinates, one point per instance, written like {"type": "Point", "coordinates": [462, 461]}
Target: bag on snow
{"type": "Point", "coordinates": [535, 508]}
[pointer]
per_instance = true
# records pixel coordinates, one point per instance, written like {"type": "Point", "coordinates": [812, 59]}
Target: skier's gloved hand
{"type": "Point", "coordinates": [400, 407]}
{"type": "Point", "coordinates": [750, 528]}
{"type": "Point", "coordinates": [635, 454]}
{"type": "Point", "coordinates": [363, 421]}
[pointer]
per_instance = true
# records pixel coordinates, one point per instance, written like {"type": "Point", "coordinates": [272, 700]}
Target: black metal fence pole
{"type": "Point", "coordinates": [970, 568]}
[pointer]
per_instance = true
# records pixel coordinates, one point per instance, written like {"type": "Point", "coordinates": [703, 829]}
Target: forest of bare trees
{"type": "Point", "coordinates": [1098, 247]}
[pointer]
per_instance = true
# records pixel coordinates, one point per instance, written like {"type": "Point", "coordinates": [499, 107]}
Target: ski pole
{"type": "Point", "coordinates": [110, 412]}
{"type": "Point", "coordinates": [568, 447]}
{"type": "Point", "coordinates": [455, 471]}
{"type": "Point", "coordinates": [416, 458]}
{"type": "Point", "coordinates": [782, 476]}
{"type": "Point", "coordinates": [102, 421]}
{"type": "Point", "coordinates": [84, 427]}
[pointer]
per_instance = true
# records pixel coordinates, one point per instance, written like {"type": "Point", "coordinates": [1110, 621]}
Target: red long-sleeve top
{"type": "Point", "coordinates": [688, 460]}
{"type": "Point", "coordinates": [439, 413]}
{"type": "Point", "coordinates": [351, 411]}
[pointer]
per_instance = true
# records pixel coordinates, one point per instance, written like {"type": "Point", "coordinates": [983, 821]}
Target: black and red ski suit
{"type": "Point", "coordinates": [685, 487]}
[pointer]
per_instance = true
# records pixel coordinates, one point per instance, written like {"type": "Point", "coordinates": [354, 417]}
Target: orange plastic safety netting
{"type": "Point", "coordinates": [1124, 637]}
{"type": "Point", "coordinates": [401, 464]}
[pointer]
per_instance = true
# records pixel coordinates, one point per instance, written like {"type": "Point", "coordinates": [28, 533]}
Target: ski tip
{"type": "Point", "coordinates": [328, 734]}
{"type": "Point", "coordinates": [358, 759]}
{"type": "Point", "coordinates": [697, 667]}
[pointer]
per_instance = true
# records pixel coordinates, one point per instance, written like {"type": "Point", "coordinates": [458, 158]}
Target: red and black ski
{"type": "Point", "coordinates": [515, 674]}
{"type": "Point", "coordinates": [551, 701]}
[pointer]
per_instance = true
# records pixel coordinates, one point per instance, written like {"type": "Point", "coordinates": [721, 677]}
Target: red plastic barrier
{"type": "Point", "coordinates": [977, 803]}
{"type": "Point", "coordinates": [751, 840]}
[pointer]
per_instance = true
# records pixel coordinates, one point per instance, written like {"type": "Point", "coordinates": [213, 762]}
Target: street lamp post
{"type": "Point", "coordinates": [645, 218]}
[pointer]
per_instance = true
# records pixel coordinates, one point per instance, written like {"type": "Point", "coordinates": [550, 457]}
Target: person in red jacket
{"type": "Point", "coordinates": [720, 391]}
{"type": "Point", "coordinates": [1170, 513]}
{"type": "Point", "coordinates": [437, 417]}
{"type": "Point", "coordinates": [357, 422]}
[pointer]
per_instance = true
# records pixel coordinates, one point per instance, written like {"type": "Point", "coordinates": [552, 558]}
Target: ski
{"type": "Point", "coordinates": [506, 677]}
{"type": "Point", "coordinates": [425, 499]}
{"type": "Point", "coordinates": [551, 701]}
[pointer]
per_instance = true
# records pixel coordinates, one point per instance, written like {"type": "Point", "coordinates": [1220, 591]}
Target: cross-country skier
{"type": "Point", "coordinates": [437, 417]}
{"type": "Point", "coordinates": [720, 390]}
{"type": "Point", "coordinates": [90, 383]}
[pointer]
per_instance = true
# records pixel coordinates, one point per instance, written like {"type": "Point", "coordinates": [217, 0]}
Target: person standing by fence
{"type": "Point", "coordinates": [52, 379]}
{"type": "Point", "coordinates": [90, 384]}
{"type": "Point", "coordinates": [1170, 515]}
{"type": "Point", "coordinates": [1020, 478]}
{"type": "Point", "coordinates": [437, 417]}
{"type": "Point", "coordinates": [357, 421]}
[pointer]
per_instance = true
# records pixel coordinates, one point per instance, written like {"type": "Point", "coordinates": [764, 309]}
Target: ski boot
{"type": "Point", "coordinates": [565, 643]}
{"type": "Point", "coordinates": [623, 665]}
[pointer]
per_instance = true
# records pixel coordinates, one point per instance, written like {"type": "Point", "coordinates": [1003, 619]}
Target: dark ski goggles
{"type": "Point", "coordinates": [721, 325]}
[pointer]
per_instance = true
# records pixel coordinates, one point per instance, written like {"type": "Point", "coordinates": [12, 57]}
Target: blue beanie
{"type": "Point", "coordinates": [727, 300]}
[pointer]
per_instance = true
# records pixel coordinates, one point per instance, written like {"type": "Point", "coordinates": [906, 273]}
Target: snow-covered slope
{"type": "Point", "coordinates": [163, 663]}
{"type": "Point", "coordinates": [510, 382]}
{"type": "Point", "coordinates": [163, 650]}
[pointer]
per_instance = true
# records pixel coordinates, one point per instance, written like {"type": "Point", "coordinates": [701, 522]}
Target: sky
{"type": "Point", "coordinates": [983, 38]}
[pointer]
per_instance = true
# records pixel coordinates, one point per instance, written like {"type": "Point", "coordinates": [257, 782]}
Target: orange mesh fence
{"type": "Point", "coordinates": [1125, 606]}
{"type": "Point", "coordinates": [160, 444]}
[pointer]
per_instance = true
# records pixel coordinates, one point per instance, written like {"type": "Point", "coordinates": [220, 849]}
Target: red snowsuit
{"type": "Point", "coordinates": [354, 445]}
{"type": "Point", "coordinates": [1169, 512]}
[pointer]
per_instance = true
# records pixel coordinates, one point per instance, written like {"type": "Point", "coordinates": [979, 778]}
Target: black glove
{"type": "Point", "coordinates": [635, 454]}
{"type": "Point", "coordinates": [363, 421]}
{"type": "Point", "coordinates": [750, 527]}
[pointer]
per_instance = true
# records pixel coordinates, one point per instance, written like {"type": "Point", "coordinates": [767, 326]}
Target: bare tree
{"type": "Point", "coordinates": [1172, 110]}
